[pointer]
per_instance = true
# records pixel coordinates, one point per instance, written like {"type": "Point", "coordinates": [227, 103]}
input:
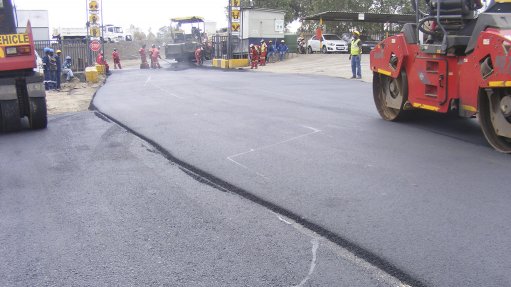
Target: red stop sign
{"type": "Point", "coordinates": [95, 45]}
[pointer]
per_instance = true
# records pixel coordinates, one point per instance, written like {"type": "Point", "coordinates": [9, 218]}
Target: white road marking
{"type": "Point", "coordinates": [231, 157]}
{"type": "Point", "coordinates": [147, 81]}
{"type": "Point", "coordinates": [314, 131]}
{"type": "Point", "coordinates": [315, 246]}
{"type": "Point", "coordinates": [168, 93]}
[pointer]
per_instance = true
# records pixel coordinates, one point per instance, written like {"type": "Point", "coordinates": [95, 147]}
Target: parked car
{"type": "Point", "coordinates": [368, 43]}
{"type": "Point", "coordinates": [330, 43]}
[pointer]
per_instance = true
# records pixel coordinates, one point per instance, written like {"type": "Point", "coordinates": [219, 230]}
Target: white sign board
{"type": "Point", "coordinates": [361, 16]}
{"type": "Point", "coordinates": [279, 25]}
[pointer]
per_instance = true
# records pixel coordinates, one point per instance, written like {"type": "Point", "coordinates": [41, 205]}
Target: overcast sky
{"type": "Point", "coordinates": [144, 14]}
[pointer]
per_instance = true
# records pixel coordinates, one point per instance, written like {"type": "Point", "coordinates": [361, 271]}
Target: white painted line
{"type": "Point", "coordinates": [314, 131]}
{"type": "Point", "coordinates": [315, 246]}
{"type": "Point", "coordinates": [147, 81]}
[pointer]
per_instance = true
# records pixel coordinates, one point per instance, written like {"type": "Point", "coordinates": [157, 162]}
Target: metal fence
{"type": "Point", "coordinates": [79, 51]}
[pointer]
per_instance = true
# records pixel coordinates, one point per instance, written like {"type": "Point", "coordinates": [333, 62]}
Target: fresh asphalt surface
{"type": "Point", "coordinates": [86, 203]}
{"type": "Point", "coordinates": [428, 197]}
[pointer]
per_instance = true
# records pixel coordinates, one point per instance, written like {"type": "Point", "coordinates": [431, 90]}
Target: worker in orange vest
{"type": "Point", "coordinates": [117, 59]}
{"type": "Point", "coordinates": [143, 58]}
{"type": "Point", "coordinates": [254, 56]}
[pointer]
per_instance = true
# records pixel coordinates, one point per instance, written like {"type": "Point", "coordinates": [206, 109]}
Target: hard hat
{"type": "Point", "coordinates": [262, 40]}
{"type": "Point", "coordinates": [251, 45]}
{"type": "Point", "coordinates": [282, 41]}
{"type": "Point", "coordinates": [59, 51]}
{"type": "Point", "coordinates": [356, 32]}
{"type": "Point", "coordinates": [46, 50]}
{"type": "Point", "coordinates": [51, 50]}
{"type": "Point", "coordinates": [68, 58]}
{"type": "Point", "coordinates": [271, 41]}
{"type": "Point", "coordinates": [115, 49]}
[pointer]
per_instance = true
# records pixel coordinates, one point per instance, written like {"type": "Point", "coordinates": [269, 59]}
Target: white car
{"type": "Point", "coordinates": [330, 43]}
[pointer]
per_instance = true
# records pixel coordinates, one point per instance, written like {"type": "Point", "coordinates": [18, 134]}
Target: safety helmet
{"type": "Point", "coordinates": [59, 51]}
{"type": "Point", "coordinates": [262, 40]}
{"type": "Point", "coordinates": [356, 33]}
{"type": "Point", "coordinates": [271, 41]}
{"type": "Point", "coordinates": [115, 49]}
{"type": "Point", "coordinates": [46, 50]}
{"type": "Point", "coordinates": [282, 41]}
{"type": "Point", "coordinates": [68, 58]}
{"type": "Point", "coordinates": [154, 46]}
{"type": "Point", "coordinates": [51, 50]}
{"type": "Point", "coordinates": [251, 45]}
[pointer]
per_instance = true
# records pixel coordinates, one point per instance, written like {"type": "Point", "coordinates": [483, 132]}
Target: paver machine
{"type": "Point", "coordinates": [22, 91]}
{"type": "Point", "coordinates": [453, 59]}
{"type": "Point", "coordinates": [185, 39]}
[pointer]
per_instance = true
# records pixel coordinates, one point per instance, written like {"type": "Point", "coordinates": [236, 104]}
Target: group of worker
{"type": "Point", "coordinates": [53, 68]}
{"type": "Point", "coordinates": [116, 57]}
{"type": "Point", "coordinates": [154, 56]}
{"type": "Point", "coordinates": [259, 54]}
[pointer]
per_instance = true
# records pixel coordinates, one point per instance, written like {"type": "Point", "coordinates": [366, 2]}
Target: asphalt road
{"type": "Point", "coordinates": [428, 200]}
{"type": "Point", "coordinates": [86, 203]}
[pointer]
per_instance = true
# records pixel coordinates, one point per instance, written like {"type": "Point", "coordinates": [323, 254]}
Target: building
{"type": "Point", "coordinates": [261, 23]}
{"type": "Point", "coordinates": [39, 21]}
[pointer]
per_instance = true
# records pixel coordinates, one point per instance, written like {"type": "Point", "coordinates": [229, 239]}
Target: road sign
{"type": "Point", "coordinates": [95, 32]}
{"type": "Point", "coordinates": [95, 46]}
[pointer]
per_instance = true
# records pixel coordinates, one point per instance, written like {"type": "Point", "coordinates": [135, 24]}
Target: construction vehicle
{"type": "Point", "coordinates": [22, 92]}
{"type": "Point", "coordinates": [452, 60]}
{"type": "Point", "coordinates": [185, 40]}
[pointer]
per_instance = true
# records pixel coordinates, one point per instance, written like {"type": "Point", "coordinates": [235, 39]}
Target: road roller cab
{"type": "Point", "coordinates": [451, 60]}
{"type": "Point", "coordinates": [22, 91]}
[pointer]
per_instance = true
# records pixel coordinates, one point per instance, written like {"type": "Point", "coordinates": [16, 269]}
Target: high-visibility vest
{"type": "Point", "coordinates": [355, 49]}
{"type": "Point", "coordinates": [263, 47]}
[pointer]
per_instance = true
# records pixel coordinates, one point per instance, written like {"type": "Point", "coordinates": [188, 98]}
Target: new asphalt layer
{"type": "Point", "coordinates": [86, 203]}
{"type": "Point", "coordinates": [427, 200]}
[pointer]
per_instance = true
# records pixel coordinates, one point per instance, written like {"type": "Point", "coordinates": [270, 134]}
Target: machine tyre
{"type": "Point", "coordinates": [38, 118]}
{"type": "Point", "coordinates": [487, 114]}
{"type": "Point", "coordinates": [310, 50]}
{"type": "Point", "coordinates": [385, 86]}
{"type": "Point", "coordinates": [10, 120]}
{"type": "Point", "coordinates": [324, 50]}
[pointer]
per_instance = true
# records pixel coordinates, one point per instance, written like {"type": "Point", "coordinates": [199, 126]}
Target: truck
{"type": "Point", "coordinates": [70, 33]}
{"type": "Point", "coordinates": [22, 92]}
{"type": "Point", "coordinates": [114, 34]}
{"type": "Point", "coordinates": [454, 59]}
{"type": "Point", "coordinates": [185, 40]}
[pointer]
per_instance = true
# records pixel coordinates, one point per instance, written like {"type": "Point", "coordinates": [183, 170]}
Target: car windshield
{"type": "Point", "coordinates": [118, 29]}
{"type": "Point", "coordinates": [331, 37]}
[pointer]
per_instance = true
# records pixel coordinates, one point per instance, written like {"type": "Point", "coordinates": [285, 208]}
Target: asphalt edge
{"type": "Point", "coordinates": [222, 185]}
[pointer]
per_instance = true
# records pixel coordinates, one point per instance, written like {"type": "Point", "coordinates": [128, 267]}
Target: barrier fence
{"type": "Point", "coordinates": [80, 53]}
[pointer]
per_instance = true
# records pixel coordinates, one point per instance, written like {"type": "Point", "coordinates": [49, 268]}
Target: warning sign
{"type": "Point", "coordinates": [235, 27]}
{"type": "Point", "coordinates": [94, 19]}
{"type": "Point", "coordinates": [93, 5]}
{"type": "Point", "coordinates": [235, 3]}
{"type": "Point", "coordinates": [235, 14]}
{"type": "Point", "coordinates": [95, 32]}
{"type": "Point", "coordinates": [14, 40]}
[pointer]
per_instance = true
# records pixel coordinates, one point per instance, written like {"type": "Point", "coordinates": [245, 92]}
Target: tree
{"type": "Point", "coordinates": [150, 36]}
{"type": "Point", "coordinates": [138, 35]}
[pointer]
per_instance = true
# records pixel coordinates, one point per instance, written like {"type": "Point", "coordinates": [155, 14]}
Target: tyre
{"type": "Point", "coordinates": [495, 118]}
{"type": "Point", "coordinates": [37, 117]}
{"type": "Point", "coordinates": [390, 96]}
{"type": "Point", "coordinates": [9, 116]}
{"type": "Point", "coordinates": [324, 50]}
{"type": "Point", "coordinates": [310, 50]}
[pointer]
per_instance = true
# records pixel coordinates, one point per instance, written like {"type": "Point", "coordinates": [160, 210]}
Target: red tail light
{"type": "Point", "coordinates": [18, 51]}
{"type": "Point", "coordinates": [24, 50]}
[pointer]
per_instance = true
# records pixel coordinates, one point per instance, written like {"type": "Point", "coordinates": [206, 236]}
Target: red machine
{"type": "Point", "coordinates": [452, 59]}
{"type": "Point", "coordinates": [22, 91]}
